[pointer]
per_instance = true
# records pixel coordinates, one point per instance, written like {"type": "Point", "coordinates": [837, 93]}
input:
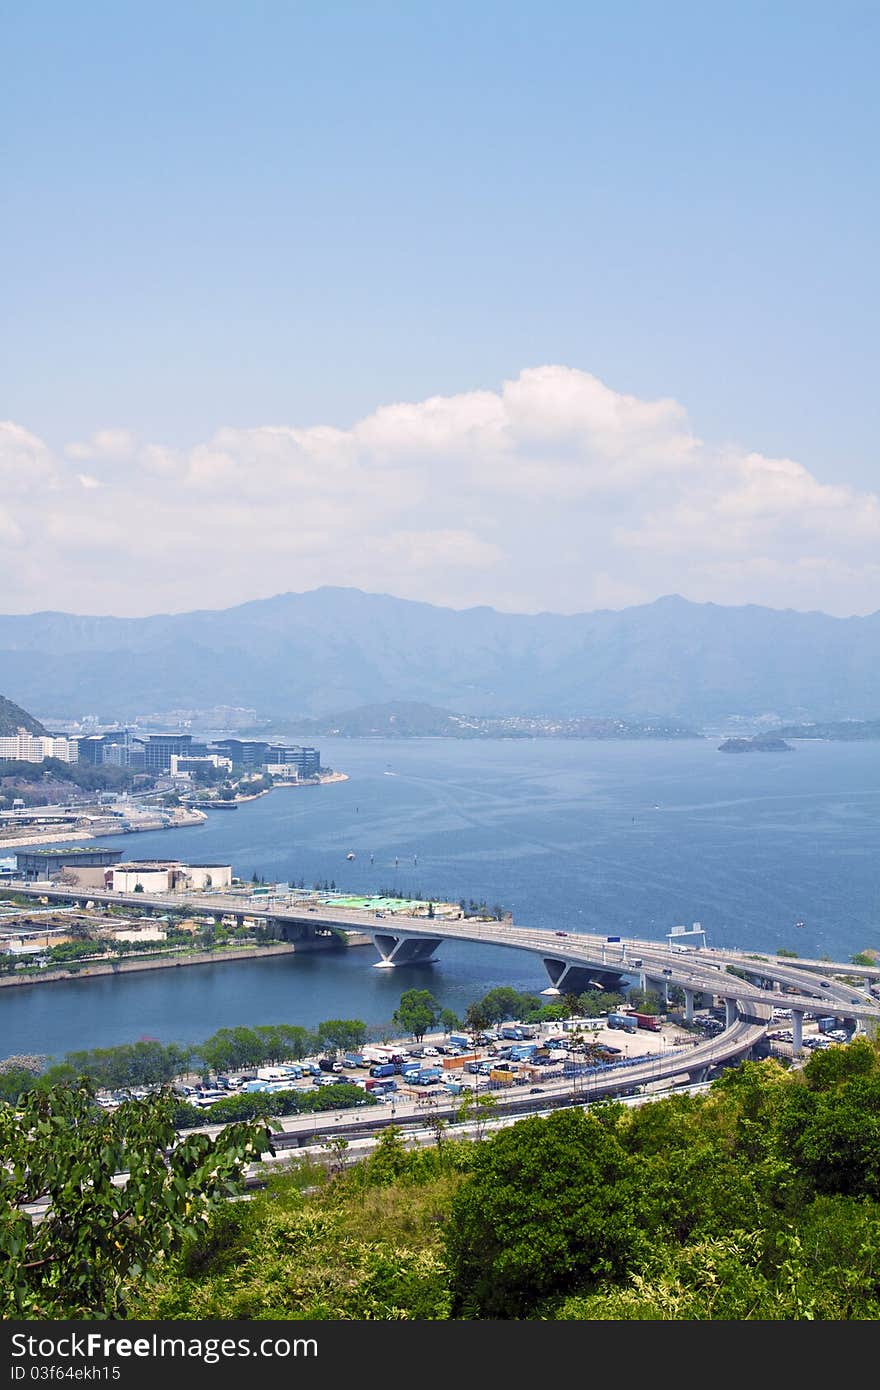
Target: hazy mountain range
{"type": "Point", "coordinates": [333, 649]}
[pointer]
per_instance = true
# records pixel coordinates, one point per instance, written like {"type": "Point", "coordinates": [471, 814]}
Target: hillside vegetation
{"type": "Point", "coordinates": [13, 718]}
{"type": "Point", "coordinates": [758, 1200]}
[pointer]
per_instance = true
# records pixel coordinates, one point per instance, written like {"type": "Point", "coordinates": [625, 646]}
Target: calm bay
{"type": "Point", "coordinates": [629, 838]}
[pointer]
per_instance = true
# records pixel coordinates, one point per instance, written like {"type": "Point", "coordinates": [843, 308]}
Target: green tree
{"type": "Point", "coordinates": [596, 1002]}
{"type": "Point", "coordinates": [551, 1204]}
{"type": "Point", "coordinates": [502, 1003]}
{"type": "Point", "coordinates": [230, 1049]}
{"type": "Point", "coordinates": [833, 1137]}
{"type": "Point", "coordinates": [474, 1109]}
{"type": "Point", "coordinates": [476, 1018]}
{"type": "Point", "coordinates": [97, 1234]}
{"type": "Point", "coordinates": [417, 1013]}
{"type": "Point", "coordinates": [296, 1042]}
{"type": "Point", "coordinates": [336, 1147]}
{"type": "Point", "coordinates": [15, 1082]}
{"type": "Point", "coordinates": [645, 1001]}
{"type": "Point", "coordinates": [342, 1034]}
{"type": "Point", "coordinates": [449, 1021]}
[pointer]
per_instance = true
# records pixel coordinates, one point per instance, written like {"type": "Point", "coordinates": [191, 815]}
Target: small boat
{"type": "Point", "coordinates": [800, 924]}
{"type": "Point", "coordinates": [350, 854]}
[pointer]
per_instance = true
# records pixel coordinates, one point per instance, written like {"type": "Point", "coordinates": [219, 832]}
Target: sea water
{"type": "Point", "coordinates": [627, 838]}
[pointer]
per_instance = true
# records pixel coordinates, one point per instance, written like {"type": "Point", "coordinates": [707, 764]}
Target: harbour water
{"type": "Point", "coordinates": [629, 838]}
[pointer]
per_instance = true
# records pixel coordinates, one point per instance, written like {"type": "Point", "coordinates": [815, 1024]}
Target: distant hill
{"type": "Point", "coordinates": [13, 718]}
{"type": "Point", "coordinates": [846, 731]}
{"type": "Point", "coordinates": [332, 649]}
{"type": "Point", "coordinates": [401, 719]}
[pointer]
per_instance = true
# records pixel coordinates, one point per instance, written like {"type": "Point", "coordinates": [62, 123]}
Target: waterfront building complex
{"type": "Point", "coordinates": [101, 869]}
{"type": "Point", "coordinates": [35, 748]}
{"type": "Point", "coordinates": [158, 753]}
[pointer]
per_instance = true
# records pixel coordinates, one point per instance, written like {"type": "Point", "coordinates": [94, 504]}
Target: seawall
{"type": "Point", "coordinates": [98, 830]}
{"type": "Point", "coordinates": [130, 963]}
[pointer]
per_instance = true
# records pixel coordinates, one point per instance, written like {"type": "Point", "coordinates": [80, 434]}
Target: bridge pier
{"type": "Point", "coordinates": [797, 1030]}
{"type": "Point", "coordinates": [689, 1005]}
{"type": "Point", "coordinates": [302, 935]}
{"type": "Point", "coordinates": [730, 1013]}
{"type": "Point", "coordinates": [404, 950]}
{"type": "Point", "coordinates": [566, 978]}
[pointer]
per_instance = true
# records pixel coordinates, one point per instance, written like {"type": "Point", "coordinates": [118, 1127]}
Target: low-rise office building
{"type": "Point", "coordinates": [46, 863]}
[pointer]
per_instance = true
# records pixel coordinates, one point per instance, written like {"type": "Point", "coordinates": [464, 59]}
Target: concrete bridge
{"type": "Point", "coordinates": [748, 984]}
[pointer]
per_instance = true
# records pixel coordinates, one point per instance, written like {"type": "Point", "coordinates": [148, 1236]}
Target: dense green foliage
{"type": "Point", "coordinates": [758, 1200]}
{"type": "Point", "coordinates": [233, 1049]}
{"type": "Point", "coordinates": [146, 1063]}
{"type": "Point", "coordinates": [504, 1003]}
{"type": "Point", "coordinates": [99, 1238]}
{"type": "Point", "coordinates": [264, 1105]}
{"type": "Point", "coordinates": [85, 776]}
{"type": "Point", "coordinates": [151, 1063]}
{"type": "Point", "coordinates": [342, 1034]}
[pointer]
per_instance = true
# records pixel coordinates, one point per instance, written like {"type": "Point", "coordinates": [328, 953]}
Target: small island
{"type": "Point", "coordinates": [760, 743]}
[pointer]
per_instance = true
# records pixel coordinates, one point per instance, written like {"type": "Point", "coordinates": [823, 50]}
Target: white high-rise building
{"type": "Point", "coordinates": [35, 748]}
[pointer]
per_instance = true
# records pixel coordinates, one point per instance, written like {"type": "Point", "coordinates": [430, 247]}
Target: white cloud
{"type": "Point", "coordinates": [110, 445]}
{"type": "Point", "coordinates": [26, 464]}
{"type": "Point", "coordinates": [553, 493]}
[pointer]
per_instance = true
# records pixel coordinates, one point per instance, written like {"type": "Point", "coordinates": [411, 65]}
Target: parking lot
{"type": "Point", "coordinates": [431, 1069]}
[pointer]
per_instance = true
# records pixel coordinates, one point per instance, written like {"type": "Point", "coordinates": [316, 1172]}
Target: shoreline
{"type": "Point", "coordinates": [185, 819]}
{"type": "Point", "coordinates": [129, 964]}
{"type": "Point", "coordinates": [109, 828]}
{"type": "Point", "coordinates": [318, 782]}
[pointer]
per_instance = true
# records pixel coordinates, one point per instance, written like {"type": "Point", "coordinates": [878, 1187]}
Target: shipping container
{"type": "Point", "coordinates": [459, 1062]}
{"type": "Point", "coordinates": [649, 1021]}
{"type": "Point", "coordinates": [625, 1021]}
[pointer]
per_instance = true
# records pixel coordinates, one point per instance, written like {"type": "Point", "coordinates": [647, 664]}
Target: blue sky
{"type": "Point", "coordinates": [231, 217]}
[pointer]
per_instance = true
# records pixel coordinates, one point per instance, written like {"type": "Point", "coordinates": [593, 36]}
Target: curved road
{"type": "Point", "coordinates": [706, 971]}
